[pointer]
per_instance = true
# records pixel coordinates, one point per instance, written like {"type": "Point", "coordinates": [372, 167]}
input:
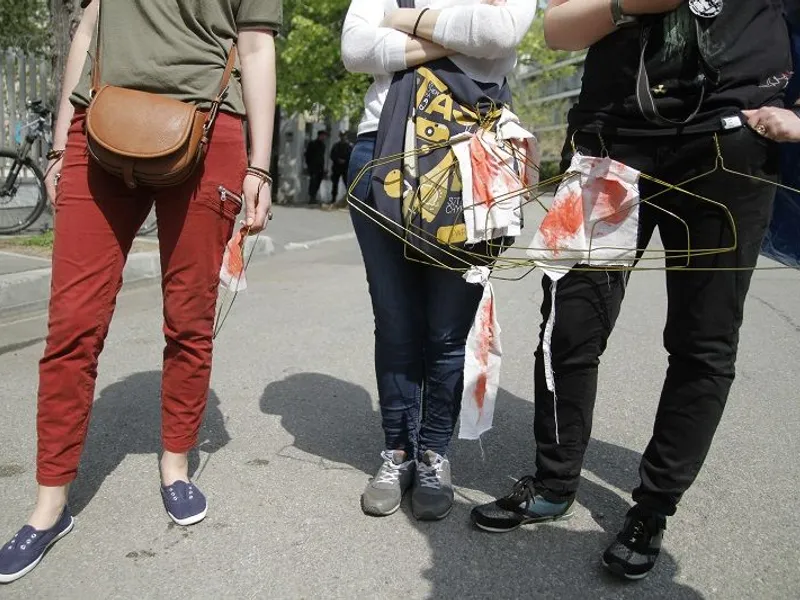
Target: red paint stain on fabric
{"type": "Point", "coordinates": [488, 173]}
{"type": "Point", "coordinates": [562, 221]}
{"type": "Point", "coordinates": [485, 343]}
{"type": "Point", "coordinates": [482, 173]}
{"type": "Point", "coordinates": [608, 197]}
{"type": "Point", "coordinates": [236, 255]}
{"type": "Point", "coordinates": [619, 169]}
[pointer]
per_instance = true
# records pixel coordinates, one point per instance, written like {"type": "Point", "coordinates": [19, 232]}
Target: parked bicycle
{"type": "Point", "coordinates": [23, 197]}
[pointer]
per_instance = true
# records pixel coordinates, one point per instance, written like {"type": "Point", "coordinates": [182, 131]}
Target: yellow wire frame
{"type": "Point", "coordinates": [512, 263]}
{"type": "Point", "coordinates": [501, 263]}
{"type": "Point", "coordinates": [640, 252]}
{"type": "Point", "coordinates": [220, 319]}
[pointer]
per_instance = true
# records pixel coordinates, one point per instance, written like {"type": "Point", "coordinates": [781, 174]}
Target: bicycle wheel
{"type": "Point", "coordinates": [150, 224]}
{"type": "Point", "coordinates": [26, 199]}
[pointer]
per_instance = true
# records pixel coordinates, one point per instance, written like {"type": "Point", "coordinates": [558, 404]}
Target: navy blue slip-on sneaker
{"type": "Point", "coordinates": [27, 548]}
{"type": "Point", "coordinates": [523, 506]}
{"type": "Point", "coordinates": [185, 503]}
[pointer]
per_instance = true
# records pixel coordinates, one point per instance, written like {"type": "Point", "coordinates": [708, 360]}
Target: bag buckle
{"type": "Point", "coordinates": [214, 111]}
{"type": "Point", "coordinates": [212, 115]}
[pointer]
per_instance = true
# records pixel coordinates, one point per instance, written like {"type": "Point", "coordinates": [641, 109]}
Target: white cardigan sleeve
{"type": "Point", "coordinates": [366, 46]}
{"type": "Point", "coordinates": [483, 30]}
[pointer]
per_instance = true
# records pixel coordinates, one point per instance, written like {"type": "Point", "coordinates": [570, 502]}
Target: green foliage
{"type": "Point", "coordinates": [24, 25]}
{"type": "Point", "coordinates": [310, 69]}
{"type": "Point", "coordinates": [528, 88]}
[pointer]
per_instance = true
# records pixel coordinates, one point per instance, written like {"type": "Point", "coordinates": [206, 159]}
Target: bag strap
{"type": "Point", "coordinates": [644, 97]}
{"type": "Point", "coordinates": [96, 59]}
{"type": "Point", "coordinates": [223, 91]}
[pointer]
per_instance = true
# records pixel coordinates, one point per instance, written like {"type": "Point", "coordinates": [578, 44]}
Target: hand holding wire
{"type": "Point", "coordinates": [776, 124]}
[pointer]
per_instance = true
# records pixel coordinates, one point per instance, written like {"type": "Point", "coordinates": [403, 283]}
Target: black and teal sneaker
{"type": "Point", "coordinates": [635, 551]}
{"type": "Point", "coordinates": [523, 506]}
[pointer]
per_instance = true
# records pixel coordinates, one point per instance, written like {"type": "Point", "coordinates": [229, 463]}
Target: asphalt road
{"type": "Point", "coordinates": [292, 434]}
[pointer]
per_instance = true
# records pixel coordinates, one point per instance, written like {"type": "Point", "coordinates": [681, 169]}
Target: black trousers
{"type": "Point", "coordinates": [336, 175]}
{"type": "Point", "coordinates": [703, 317]}
{"type": "Point", "coordinates": [314, 183]}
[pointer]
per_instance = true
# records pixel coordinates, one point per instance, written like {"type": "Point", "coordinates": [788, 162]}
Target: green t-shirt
{"type": "Point", "coordinates": [177, 48]}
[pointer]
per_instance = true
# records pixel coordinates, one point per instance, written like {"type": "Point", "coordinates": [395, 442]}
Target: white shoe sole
{"type": "Point", "coordinates": [9, 577]}
{"type": "Point", "coordinates": [193, 520]}
{"type": "Point", "coordinates": [374, 512]}
{"type": "Point", "coordinates": [616, 570]}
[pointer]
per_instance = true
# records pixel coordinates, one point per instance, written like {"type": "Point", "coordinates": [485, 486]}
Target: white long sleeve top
{"type": "Point", "coordinates": [484, 36]}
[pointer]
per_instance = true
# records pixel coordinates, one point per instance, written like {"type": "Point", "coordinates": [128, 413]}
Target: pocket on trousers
{"type": "Point", "coordinates": [362, 154]}
{"type": "Point", "coordinates": [223, 170]}
{"type": "Point", "coordinates": [224, 200]}
{"type": "Point", "coordinates": [747, 151]}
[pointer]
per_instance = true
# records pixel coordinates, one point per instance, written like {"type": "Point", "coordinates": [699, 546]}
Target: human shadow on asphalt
{"type": "Point", "coordinates": [334, 420]}
{"type": "Point", "coordinates": [20, 345]}
{"type": "Point", "coordinates": [126, 419]}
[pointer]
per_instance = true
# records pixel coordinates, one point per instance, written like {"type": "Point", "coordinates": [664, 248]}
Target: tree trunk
{"type": "Point", "coordinates": [64, 18]}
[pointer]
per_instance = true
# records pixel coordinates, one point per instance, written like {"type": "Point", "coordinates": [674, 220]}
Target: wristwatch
{"type": "Point", "coordinates": [618, 17]}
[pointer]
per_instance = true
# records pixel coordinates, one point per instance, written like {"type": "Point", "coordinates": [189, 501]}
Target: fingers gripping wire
{"type": "Point", "coordinates": [228, 296]}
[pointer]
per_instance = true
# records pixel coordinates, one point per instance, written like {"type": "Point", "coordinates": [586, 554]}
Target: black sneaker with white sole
{"type": "Point", "coordinates": [635, 551]}
{"type": "Point", "coordinates": [523, 506]}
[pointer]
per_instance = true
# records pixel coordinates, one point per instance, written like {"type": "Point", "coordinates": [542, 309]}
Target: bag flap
{"type": "Point", "coordinates": [139, 124]}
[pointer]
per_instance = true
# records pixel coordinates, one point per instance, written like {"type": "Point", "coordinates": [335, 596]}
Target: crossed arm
{"type": "Point", "coordinates": [375, 43]}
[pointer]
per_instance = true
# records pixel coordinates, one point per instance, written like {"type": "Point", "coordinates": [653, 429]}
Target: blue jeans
{"type": "Point", "coordinates": [423, 315]}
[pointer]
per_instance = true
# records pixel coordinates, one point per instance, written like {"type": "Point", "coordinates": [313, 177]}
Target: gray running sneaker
{"type": "Point", "coordinates": [432, 497]}
{"type": "Point", "coordinates": [383, 494]}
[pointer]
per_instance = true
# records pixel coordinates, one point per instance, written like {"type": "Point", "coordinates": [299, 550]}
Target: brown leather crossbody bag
{"type": "Point", "coordinates": [144, 138]}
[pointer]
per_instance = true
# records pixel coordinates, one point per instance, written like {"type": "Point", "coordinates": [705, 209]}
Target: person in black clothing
{"type": "Point", "coordinates": [315, 163]}
{"type": "Point", "coordinates": [716, 71]}
{"type": "Point", "coordinates": [340, 159]}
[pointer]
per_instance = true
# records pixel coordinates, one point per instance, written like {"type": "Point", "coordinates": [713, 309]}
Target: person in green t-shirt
{"type": "Point", "coordinates": [178, 49]}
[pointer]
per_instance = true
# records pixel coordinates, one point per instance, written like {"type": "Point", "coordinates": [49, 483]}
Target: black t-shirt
{"type": "Point", "coordinates": [340, 155]}
{"type": "Point", "coordinates": [743, 53]}
{"type": "Point", "coordinates": [792, 9]}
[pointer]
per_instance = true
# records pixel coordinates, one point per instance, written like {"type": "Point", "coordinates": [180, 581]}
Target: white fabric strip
{"type": "Point", "coordinates": [547, 351]}
{"type": "Point", "coordinates": [481, 362]}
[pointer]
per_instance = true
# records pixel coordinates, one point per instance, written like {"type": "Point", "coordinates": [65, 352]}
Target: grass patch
{"type": "Point", "coordinates": [42, 240]}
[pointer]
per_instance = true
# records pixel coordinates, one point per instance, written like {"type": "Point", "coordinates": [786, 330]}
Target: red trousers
{"type": "Point", "coordinates": [97, 218]}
